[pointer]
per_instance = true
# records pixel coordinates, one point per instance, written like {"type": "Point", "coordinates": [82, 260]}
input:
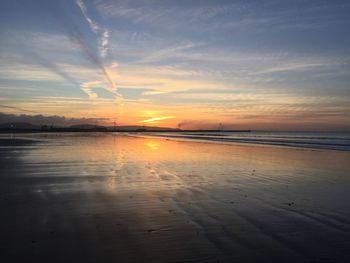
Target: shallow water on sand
{"type": "Point", "coordinates": [113, 198]}
{"type": "Point", "coordinates": [312, 140]}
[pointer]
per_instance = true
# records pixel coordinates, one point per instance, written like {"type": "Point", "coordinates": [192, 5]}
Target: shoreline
{"type": "Point", "coordinates": [317, 143]}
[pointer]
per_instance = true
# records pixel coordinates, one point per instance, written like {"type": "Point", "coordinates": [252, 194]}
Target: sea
{"type": "Point", "coordinates": [314, 140]}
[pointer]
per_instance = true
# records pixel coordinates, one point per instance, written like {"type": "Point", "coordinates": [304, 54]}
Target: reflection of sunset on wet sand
{"type": "Point", "coordinates": [130, 199]}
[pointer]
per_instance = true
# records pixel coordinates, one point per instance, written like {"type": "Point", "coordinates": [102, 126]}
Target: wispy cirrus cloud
{"type": "Point", "coordinates": [16, 108]}
{"type": "Point", "coordinates": [64, 105]}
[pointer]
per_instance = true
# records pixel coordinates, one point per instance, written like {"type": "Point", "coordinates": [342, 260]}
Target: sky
{"type": "Point", "coordinates": [263, 65]}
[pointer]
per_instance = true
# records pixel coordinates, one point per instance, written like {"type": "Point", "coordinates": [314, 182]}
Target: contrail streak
{"type": "Point", "coordinates": [104, 34]}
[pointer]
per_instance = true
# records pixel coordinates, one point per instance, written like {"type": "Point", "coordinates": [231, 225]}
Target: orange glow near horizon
{"type": "Point", "coordinates": [156, 119]}
{"type": "Point", "coordinates": [108, 111]}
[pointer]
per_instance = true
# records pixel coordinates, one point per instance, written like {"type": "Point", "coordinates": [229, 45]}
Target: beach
{"type": "Point", "coordinates": [104, 197]}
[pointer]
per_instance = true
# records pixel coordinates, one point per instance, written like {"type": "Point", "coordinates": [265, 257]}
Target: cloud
{"type": "Point", "coordinates": [88, 86]}
{"type": "Point", "coordinates": [16, 108]}
{"type": "Point", "coordinates": [157, 13]}
{"type": "Point", "coordinates": [48, 120]}
{"type": "Point", "coordinates": [153, 92]}
{"type": "Point", "coordinates": [72, 107]}
{"type": "Point", "coordinates": [168, 52]}
{"type": "Point", "coordinates": [156, 119]}
{"type": "Point", "coordinates": [221, 17]}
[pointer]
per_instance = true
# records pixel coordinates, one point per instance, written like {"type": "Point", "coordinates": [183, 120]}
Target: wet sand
{"type": "Point", "coordinates": [113, 198]}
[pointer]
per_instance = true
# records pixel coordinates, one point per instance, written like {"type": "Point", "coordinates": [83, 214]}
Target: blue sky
{"type": "Point", "coordinates": [248, 64]}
